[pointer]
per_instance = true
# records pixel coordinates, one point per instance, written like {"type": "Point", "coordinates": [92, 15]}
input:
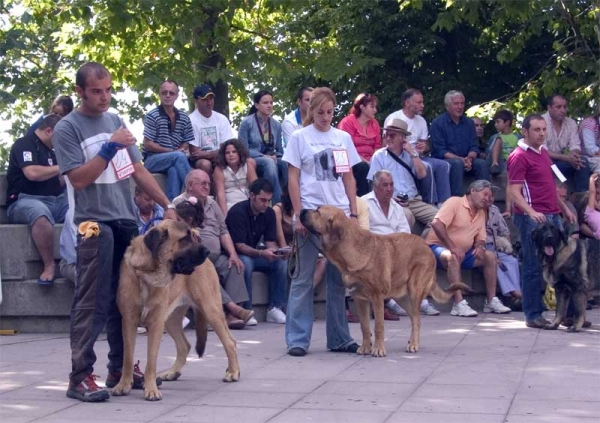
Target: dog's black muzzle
{"type": "Point", "coordinates": [187, 259]}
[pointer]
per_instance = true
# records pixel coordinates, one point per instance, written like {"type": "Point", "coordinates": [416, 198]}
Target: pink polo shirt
{"type": "Point", "coordinates": [366, 142]}
{"type": "Point", "coordinates": [533, 169]}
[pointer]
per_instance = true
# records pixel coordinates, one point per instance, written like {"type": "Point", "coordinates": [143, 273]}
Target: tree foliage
{"type": "Point", "coordinates": [508, 53]}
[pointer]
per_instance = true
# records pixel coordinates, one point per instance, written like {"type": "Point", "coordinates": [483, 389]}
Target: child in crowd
{"type": "Point", "coordinates": [498, 240]}
{"type": "Point", "coordinates": [191, 212]}
{"type": "Point", "coordinates": [501, 144]}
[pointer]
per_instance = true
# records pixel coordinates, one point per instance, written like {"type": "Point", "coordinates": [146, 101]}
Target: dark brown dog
{"type": "Point", "coordinates": [162, 274]}
{"type": "Point", "coordinates": [375, 267]}
{"type": "Point", "coordinates": [564, 268]}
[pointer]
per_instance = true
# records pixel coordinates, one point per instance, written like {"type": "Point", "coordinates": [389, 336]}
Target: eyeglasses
{"type": "Point", "coordinates": [201, 183]}
{"type": "Point", "coordinates": [166, 93]}
{"type": "Point", "coordinates": [391, 134]}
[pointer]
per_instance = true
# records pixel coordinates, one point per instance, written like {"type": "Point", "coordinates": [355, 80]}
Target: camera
{"type": "Point", "coordinates": [402, 196]}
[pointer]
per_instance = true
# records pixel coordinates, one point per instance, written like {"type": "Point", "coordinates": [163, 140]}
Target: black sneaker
{"type": "Point", "coordinates": [87, 390]}
{"type": "Point", "coordinates": [352, 348]}
{"type": "Point", "coordinates": [538, 323]}
{"type": "Point", "coordinates": [495, 170]}
{"type": "Point", "coordinates": [297, 352]}
{"type": "Point", "coordinates": [138, 378]}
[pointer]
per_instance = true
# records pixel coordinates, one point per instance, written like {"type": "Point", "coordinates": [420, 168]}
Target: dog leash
{"type": "Point", "coordinates": [294, 261]}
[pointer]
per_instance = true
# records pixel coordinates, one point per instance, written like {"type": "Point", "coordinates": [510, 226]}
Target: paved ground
{"type": "Point", "coordinates": [483, 369]}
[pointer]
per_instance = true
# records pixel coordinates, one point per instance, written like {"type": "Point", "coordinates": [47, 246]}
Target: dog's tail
{"type": "Point", "coordinates": [443, 295]}
{"type": "Point", "coordinates": [201, 332]}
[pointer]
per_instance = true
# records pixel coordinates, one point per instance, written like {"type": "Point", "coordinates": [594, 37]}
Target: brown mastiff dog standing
{"type": "Point", "coordinates": [162, 274]}
{"type": "Point", "coordinates": [375, 267]}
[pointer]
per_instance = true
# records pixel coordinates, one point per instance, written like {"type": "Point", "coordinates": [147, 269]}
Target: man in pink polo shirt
{"type": "Point", "coordinates": [533, 191]}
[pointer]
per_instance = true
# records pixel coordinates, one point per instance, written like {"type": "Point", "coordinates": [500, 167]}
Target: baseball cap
{"type": "Point", "coordinates": [203, 91]}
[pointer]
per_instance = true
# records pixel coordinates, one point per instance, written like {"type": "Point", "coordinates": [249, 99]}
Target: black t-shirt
{"type": "Point", "coordinates": [247, 228]}
{"type": "Point", "coordinates": [27, 151]}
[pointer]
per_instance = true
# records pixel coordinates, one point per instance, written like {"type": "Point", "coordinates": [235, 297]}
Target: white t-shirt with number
{"type": "Point", "coordinates": [210, 132]}
{"type": "Point", "coordinates": [416, 126]}
{"type": "Point", "coordinates": [311, 151]}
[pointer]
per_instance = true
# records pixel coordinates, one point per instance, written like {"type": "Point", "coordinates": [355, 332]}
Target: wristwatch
{"type": "Point", "coordinates": [415, 154]}
{"type": "Point", "coordinates": [171, 206]}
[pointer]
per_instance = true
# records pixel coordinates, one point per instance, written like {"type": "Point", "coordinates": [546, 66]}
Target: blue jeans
{"type": "Point", "coordinates": [435, 187]}
{"type": "Point", "coordinates": [457, 170]}
{"type": "Point", "coordinates": [277, 271]}
{"type": "Point", "coordinates": [300, 311]}
{"type": "Point", "coordinates": [581, 177]}
{"type": "Point", "coordinates": [29, 208]}
{"type": "Point", "coordinates": [175, 164]}
{"type": "Point", "coordinates": [273, 171]}
{"type": "Point", "coordinates": [531, 275]}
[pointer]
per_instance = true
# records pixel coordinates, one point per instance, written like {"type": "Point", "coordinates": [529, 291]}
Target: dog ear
{"type": "Point", "coordinates": [334, 231]}
{"type": "Point", "coordinates": [154, 239]}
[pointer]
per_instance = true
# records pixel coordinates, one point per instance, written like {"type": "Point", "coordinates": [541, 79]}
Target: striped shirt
{"type": "Point", "coordinates": [157, 128]}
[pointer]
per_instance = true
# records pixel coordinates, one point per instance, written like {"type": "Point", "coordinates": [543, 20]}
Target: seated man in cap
{"type": "Point", "coordinates": [210, 130]}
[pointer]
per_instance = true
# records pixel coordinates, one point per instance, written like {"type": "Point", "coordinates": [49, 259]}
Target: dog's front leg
{"type": "Point", "coordinates": [379, 348]}
{"type": "Point", "coordinates": [561, 308]}
{"type": "Point", "coordinates": [579, 301]}
{"type": "Point", "coordinates": [156, 324]}
{"type": "Point", "coordinates": [363, 308]}
{"type": "Point", "coordinates": [129, 325]}
{"type": "Point", "coordinates": [173, 326]}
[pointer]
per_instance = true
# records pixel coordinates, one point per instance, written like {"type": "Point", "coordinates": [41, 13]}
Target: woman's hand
{"type": "Point", "coordinates": [299, 228]}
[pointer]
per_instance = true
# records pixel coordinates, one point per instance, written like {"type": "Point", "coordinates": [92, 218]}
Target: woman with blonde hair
{"type": "Point", "coordinates": [317, 178]}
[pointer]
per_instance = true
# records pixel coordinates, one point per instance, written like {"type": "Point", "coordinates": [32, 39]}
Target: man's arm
{"type": "Point", "coordinates": [150, 145]}
{"type": "Point", "coordinates": [517, 198]}
{"type": "Point", "coordinates": [146, 182]}
{"type": "Point", "coordinates": [197, 153]}
{"type": "Point", "coordinates": [419, 166]}
{"type": "Point", "coordinates": [38, 173]}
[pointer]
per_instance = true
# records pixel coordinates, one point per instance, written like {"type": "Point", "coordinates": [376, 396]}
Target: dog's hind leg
{"type": "Point", "coordinates": [579, 301]}
{"type": "Point", "coordinates": [173, 326]}
{"type": "Point", "coordinates": [363, 309]}
{"type": "Point", "coordinates": [217, 321]}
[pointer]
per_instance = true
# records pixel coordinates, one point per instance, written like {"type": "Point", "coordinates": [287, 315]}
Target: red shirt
{"type": "Point", "coordinates": [533, 169]}
{"type": "Point", "coordinates": [366, 144]}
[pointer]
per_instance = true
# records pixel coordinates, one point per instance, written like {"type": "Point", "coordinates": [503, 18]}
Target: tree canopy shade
{"type": "Point", "coordinates": [510, 52]}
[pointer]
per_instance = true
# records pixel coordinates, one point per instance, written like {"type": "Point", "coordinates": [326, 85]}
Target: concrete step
{"type": "Point", "coordinates": [19, 259]}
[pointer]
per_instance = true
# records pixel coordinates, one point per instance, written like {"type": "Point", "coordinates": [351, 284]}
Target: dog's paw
{"type": "Point", "coordinates": [364, 349]}
{"type": "Point", "coordinates": [231, 376]}
{"type": "Point", "coordinates": [152, 394]}
{"type": "Point", "coordinates": [169, 375]}
{"type": "Point", "coordinates": [378, 351]}
{"type": "Point", "coordinates": [412, 348]}
{"type": "Point", "coordinates": [121, 389]}
{"type": "Point", "coordinates": [573, 329]}
{"type": "Point", "coordinates": [551, 326]}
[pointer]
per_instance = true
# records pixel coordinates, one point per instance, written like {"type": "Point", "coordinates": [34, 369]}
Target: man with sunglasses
{"type": "Point", "coordinates": [167, 132]}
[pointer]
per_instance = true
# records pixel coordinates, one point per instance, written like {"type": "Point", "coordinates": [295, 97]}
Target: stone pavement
{"type": "Point", "coordinates": [484, 369]}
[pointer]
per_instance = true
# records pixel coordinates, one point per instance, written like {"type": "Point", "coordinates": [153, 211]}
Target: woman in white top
{"type": "Point", "coordinates": [234, 173]}
{"type": "Point", "coordinates": [314, 180]}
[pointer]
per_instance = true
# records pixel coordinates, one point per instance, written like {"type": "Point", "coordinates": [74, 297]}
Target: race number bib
{"type": "Point", "coordinates": [122, 164]}
{"type": "Point", "coordinates": [341, 162]}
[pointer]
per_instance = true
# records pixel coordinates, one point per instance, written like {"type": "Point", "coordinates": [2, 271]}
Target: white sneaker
{"type": "Point", "coordinates": [185, 322]}
{"type": "Point", "coordinates": [141, 330]}
{"type": "Point", "coordinates": [252, 322]}
{"type": "Point", "coordinates": [462, 309]}
{"type": "Point", "coordinates": [495, 306]}
{"type": "Point", "coordinates": [395, 308]}
{"type": "Point", "coordinates": [275, 315]}
{"type": "Point", "coordinates": [428, 309]}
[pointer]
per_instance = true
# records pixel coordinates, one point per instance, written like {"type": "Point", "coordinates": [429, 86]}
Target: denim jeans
{"type": "Point", "coordinates": [457, 170]}
{"type": "Point", "coordinates": [277, 271]}
{"type": "Point", "coordinates": [435, 187]}
{"type": "Point", "coordinates": [94, 303]}
{"type": "Point", "coordinates": [300, 311]}
{"type": "Point", "coordinates": [581, 177]}
{"type": "Point", "coordinates": [273, 171]}
{"type": "Point", "coordinates": [176, 166]}
{"type": "Point", "coordinates": [531, 274]}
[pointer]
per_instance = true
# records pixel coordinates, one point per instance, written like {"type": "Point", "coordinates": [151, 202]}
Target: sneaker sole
{"type": "Point", "coordinates": [97, 397]}
{"type": "Point", "coordinates": [463, 315]}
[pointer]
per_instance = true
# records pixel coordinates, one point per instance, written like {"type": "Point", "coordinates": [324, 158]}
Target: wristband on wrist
{"type": "Point", "coordinates": [109, 150]}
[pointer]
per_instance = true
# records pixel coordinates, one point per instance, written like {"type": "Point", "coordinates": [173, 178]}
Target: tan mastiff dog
{"type": "Point", "coordinates": [375, 267]}
{"type": "Point", "coordinates": [162, 274]}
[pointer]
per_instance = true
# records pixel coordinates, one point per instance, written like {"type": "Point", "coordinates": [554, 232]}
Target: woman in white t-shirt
{"type": "Point", "coordinates": [314, 181]}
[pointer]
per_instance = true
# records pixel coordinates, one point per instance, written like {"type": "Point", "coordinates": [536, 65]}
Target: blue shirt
{"type": "Point", "coordinates": [403, 180]}
{"type": "Point", "coordinates": [449, 137]}
{"type": "Point", "coordinates": [157, 128]}
{"type": "Point", "coordinates": [157, 216]}
{"type": "Point", "coordinates": [249, 135]}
